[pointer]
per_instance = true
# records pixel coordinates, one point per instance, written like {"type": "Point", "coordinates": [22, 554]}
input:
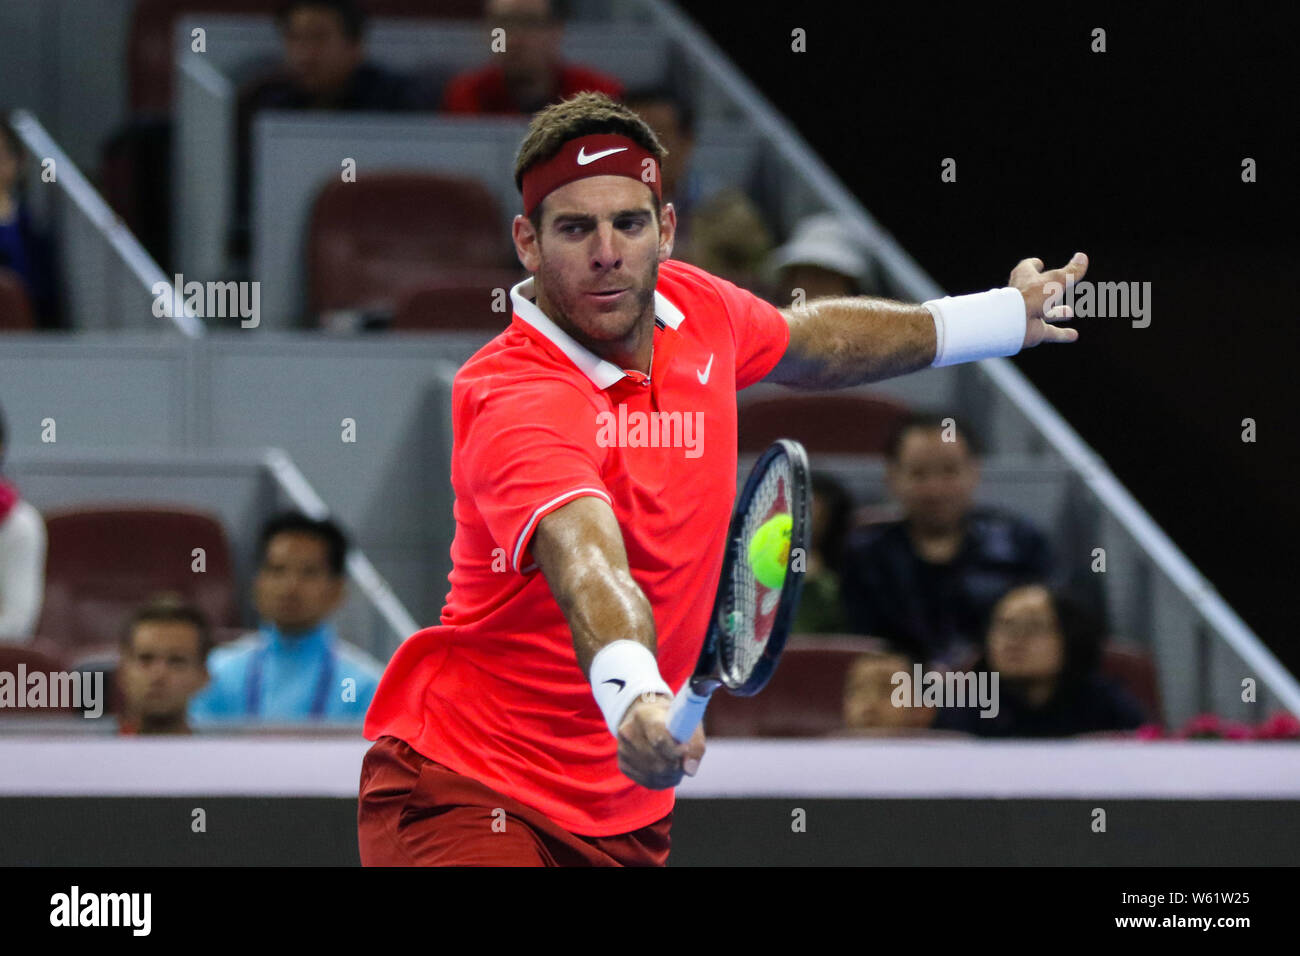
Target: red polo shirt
{"type": "Point", "coordinates": [494, 691]}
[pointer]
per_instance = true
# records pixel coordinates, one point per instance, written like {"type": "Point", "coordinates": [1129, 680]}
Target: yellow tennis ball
{"type": "Point", "coordinates": [769, 551]}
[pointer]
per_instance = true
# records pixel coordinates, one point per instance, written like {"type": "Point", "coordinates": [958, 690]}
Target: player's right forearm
{"type": "Point", "coordinates": [603, 605]}
{"type": "Point", "coordinates": [579, 549]}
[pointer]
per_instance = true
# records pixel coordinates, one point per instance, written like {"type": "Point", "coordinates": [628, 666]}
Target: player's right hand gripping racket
{"type": "Point", "coordinates": [750, 620]}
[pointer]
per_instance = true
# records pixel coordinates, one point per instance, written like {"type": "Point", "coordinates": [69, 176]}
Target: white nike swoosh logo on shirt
{"type": "Point", "coordinates": [704, 376]}
{"type": "Point", "coordinates": [584, 159]}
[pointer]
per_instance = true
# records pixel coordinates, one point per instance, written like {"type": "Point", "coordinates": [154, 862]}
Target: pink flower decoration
{"type": "Point", "coordinates": [1203, 725]}
{"type": "Point", "coordinates": [1281, 726]}
{"type": "Point", "coordinates": [1235, 731]}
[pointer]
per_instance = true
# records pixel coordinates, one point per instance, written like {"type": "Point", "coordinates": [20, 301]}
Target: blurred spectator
{"type": "Point", "coordinates": [295, 668]}
{"type": "Point", "coordinates": [823, 259]}
{"type": "Point", "coordinates": [163, 664]}
{"type": "Point", "coordinates": [673, 119]}
{"type": "Point", "coordinates": [926, 582]}
{"type": "Point", "coordinates": [325, 68]}
{"type": "Point", "coordinates": [730, 239]}
{"type": "Point", "coordinates": [721, 231]}
{"type": "Point", "coordinates": [820, 609]}
{"type": "Point", "coordinates": [1045, 646]}
{"type": "Point", "coordinates": [22, 558]}
{"type": "Point", "coordinates": [22, 248]}
{"type": "Point", "coordinates": [868, 696]}
{"type": "Point", "coordinates": [530, 72]}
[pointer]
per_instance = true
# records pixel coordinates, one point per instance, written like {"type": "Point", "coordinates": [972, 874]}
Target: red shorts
{"type": "Point", "coordinates": [415, 812]}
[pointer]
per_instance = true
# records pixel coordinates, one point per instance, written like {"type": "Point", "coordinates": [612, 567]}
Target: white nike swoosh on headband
{"type": "Point", "coordinates": [584, 159]}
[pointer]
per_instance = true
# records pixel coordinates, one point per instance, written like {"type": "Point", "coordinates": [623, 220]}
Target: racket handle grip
{"type": "Point", "coordinates": [686, 712]}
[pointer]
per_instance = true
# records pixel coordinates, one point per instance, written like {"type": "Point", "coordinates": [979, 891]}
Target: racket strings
{"type": "Point", "coordinates": [751, 611]}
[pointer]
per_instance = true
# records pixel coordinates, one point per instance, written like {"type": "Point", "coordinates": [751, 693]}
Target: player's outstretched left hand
{"type": "Point", "coordinates": [1028, 276]}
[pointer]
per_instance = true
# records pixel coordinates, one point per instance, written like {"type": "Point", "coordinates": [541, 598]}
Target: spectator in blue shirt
{"type": "Point", "coordinates": [294, 669]}
{"type": "Point", "coordinates": [23, 248]}
{"type": "Point", "coordinates": [926, 582]}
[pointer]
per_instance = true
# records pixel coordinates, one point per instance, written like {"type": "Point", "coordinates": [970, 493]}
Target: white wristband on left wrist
{"type": "Point", "coordinates": [979, 326]}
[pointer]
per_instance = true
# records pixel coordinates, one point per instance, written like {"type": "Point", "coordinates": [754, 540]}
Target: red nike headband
{"type": "Point", "coordinates": [600, 154]}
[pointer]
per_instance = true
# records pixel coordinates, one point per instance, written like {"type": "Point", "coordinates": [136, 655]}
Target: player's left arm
{"type": "Point", "coordinates": [837, 342]}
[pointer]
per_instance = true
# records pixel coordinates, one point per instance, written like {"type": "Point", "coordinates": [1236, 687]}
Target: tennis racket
{"type": "Point", "coordinates": [750, 621]}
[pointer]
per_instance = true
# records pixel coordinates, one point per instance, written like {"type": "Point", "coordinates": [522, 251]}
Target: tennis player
{"type": "Point", "coordinates": [594, 468]}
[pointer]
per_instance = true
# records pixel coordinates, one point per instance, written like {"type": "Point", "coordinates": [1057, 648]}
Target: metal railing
{"type": "Point", "coordinates": [363, 574]}
{"type": "Point", "coordinates": [240, 489]}
{"type": "Point", "coordinates": [107, 277]}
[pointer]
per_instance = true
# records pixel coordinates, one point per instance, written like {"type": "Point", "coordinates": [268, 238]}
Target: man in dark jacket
{"type": "Point", "coordinates": [926, 582]}
{"type": "Point", "coordinates": [324, 69]}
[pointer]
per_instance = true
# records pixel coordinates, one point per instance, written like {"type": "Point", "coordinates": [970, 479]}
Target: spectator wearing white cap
{"type": "Point", "coordinates": [822, 258]}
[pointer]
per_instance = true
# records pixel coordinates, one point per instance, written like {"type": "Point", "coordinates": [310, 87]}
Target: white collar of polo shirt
{"type": "Point", "coordinates": [602, 372]}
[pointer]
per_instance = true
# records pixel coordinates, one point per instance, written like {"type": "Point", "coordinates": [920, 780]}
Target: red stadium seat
{"type": "Point", "coordinates": [805, 697]}
{"type": "Point", "coordinates": [15, 306]}
{"type": "Point", "coordinates": [44, 658]}
{"type": "Point", "coordinates": [457, 303]}
{"type": "Point", "coordinates": [825, 424]}
{"type": "Point", "coordinates": [34, 661]}
{"type": "Point", "coordinates": [102, 563]}
{"type": "Point", "coordinates": [154, 23]}
{"type": "Point", "coordinates": [1135, 670]}
{"type": "Point", "coordinates": [371, 241]}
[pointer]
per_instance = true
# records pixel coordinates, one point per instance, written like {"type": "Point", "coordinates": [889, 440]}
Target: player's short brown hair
{"type": "Point", "coordinates": [581, 115]}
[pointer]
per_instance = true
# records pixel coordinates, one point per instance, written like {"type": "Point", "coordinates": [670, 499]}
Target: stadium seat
{"type": "Point", "coordinates": [154, 23]}
{"type": "Point", "coordinates": [15, 306]}
{"type": "Point", "coordinates": [35, 661]}
{"type": "Point", "coordinates": [805, 697]}
{"type": "Point", "coordinates": [456, 303]}
{"type": "Point", "coordinates": [1135, 670]}
{"type": "Point", "coordinates": [825, 424]}
{"type": "Point", "coordinates": [102, 563]}
{"type": "Point", "coordinates": [371, 241]}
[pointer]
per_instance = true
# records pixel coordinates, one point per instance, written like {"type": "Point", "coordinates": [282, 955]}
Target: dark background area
{"type": "Point", "coordinates": [1132, 156]}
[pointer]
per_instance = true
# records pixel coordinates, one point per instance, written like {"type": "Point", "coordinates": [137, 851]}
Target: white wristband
{"type": "Point", "coordinates": [979, 326]}
{"type": "Point", "coordinates": [620, 673]}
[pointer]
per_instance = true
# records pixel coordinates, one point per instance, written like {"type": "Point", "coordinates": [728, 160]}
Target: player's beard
{"type": "Point", "coordinates": [587, 322]}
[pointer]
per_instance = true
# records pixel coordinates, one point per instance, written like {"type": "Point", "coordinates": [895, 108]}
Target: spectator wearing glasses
{"type": "Point", "coordinates": [1045, 646]}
